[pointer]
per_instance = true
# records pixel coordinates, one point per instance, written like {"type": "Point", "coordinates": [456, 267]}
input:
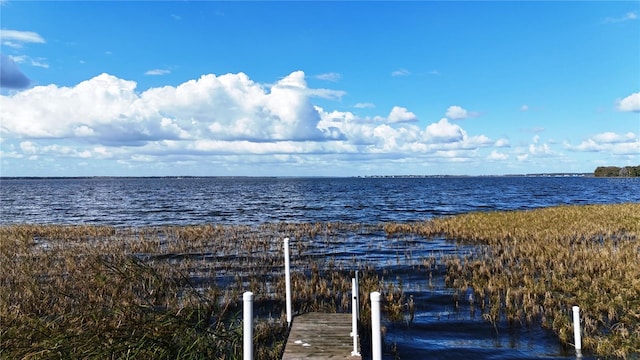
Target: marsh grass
{"type": "Point", "coordinates": [162, 293]}
{"type": "Point", "coordinates": [530, 267]}
{"type": "Point", "coordinates": [174, 292]}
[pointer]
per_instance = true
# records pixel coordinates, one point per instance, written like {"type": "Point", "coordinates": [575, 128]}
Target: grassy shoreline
{"type": "Point", "coordinates": [530, 267]}
{"type": "Point", "coordinates": [173, 292]}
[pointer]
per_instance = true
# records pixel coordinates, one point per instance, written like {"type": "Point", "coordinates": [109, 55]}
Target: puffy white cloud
{"type": "Point", "coordinates": [222, 116]}
{"type": "Point", "coordinates": [368, 135]}
{"type": "Point", "coordinates": [501, 143]}
{"type": "Point", "coordinates": [28, 147]}
{"type": "Point", "coordinates": [539, 149]}
{"type": "Point", "coordinates": [611, 137]}
{"type": "Point", "coordinates": [50, 112]}
{"type": "Point", "coordinates": [108, 109]}
{"type": "Point", "coordinates": [630, 103]}
{"type": "Point", "coordinates": [456, 113]}
{"type": "Point", "coordinates": [290, 114]}
{"type": "Point", "coordinates": [627, 148]}
{"type": "Point", "coordinates": [400, 114]}
{"type": "Point", "coordinates": [495, 155]}
{"type": "Point", "coordinates": [102, 151]}
{"type": "Point", "coordinates": [444, 132]}
{"type": "Point", "coordinates": [609, 142]}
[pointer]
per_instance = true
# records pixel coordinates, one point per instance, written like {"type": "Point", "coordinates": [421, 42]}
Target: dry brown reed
{"type": "Point", "coordinates": [532, 266]}
{"type": "Point", "coordinates": [162, 292]}
{"type": "Point", "coordinates": [174, 291]}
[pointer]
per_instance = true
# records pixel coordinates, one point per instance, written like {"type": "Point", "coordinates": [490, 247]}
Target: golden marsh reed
{"type": "Point", "coordinates": [532, 266]}
{"type": "Point", "coordinates": [162, 293]}
{"type": "Point", "coordinates": [174, 292]}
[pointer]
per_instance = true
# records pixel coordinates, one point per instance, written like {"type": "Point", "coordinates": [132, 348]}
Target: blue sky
{"type": "Point", "coordinates": [318, 88]}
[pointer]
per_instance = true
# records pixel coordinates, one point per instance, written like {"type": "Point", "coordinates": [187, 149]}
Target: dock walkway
{"type": "Point", "coordinates": [317, 336]}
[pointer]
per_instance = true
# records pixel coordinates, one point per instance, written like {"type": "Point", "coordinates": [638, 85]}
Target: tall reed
{"type": "Point", "coordinates": [161, 292]}
{"type": "Point", "coordinates": [532, 266]}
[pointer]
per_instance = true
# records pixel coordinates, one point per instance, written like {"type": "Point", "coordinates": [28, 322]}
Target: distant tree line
{"type": "Point", "coordinates": [614, 171]}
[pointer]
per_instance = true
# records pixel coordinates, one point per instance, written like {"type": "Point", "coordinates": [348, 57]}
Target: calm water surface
{"type": "Point", "coordinates": [439, 331]}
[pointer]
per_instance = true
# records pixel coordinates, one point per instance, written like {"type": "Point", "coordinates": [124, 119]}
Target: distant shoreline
{"type": "Point", "coordinates": [617, 172]}
{"type": "Point", "coordinates": [294, 177]}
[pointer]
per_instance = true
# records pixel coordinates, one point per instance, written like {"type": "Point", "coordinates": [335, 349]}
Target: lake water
{"type": "Point", "coordinates": [159, 201]}
{"type": "Point", "coordinates": [439, 331]}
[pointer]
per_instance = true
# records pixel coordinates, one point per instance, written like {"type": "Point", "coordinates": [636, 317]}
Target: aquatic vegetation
{"type": "Point", "coordinates": [533, 266]}
{"type": "Point", "coordinates": [165, 292]}
{"type": "Point", "coordinates": [175, 291]}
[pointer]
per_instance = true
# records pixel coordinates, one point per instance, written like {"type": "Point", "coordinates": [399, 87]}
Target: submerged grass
{"type": "Point", "coordinates": [532, 266]}
{"type": "Point", "coordinates": [174, 292]}
{"type": "Point", "coordinates": [162, 293]}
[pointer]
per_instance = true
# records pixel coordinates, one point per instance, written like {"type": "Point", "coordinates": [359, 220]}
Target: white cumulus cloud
{"type": "Point", "coordinates": [611, 137]}
{"type": "Point", "coordinates": [610, 142]}
{"type": "Point", "coordinates": [108, 109]}
{"type": "Point", "coordinates": [456, 112]}
{"type": "Point", "coordinates": [501, 143]}
{"type": "Point", "coordinates": [540, 149]}
{"type": "Point", "coordinates": [444, 132]}
{"type": "Point", "coordinates": [496, 155]}
{"type": "Point", "coordinates": [28, 147]}
{"type": "Point", "coordinates": [223, 116]}
{"type": "Point", "coordinates": [630, 103]}
{"type": "Point", "coordinates": [401, 114]}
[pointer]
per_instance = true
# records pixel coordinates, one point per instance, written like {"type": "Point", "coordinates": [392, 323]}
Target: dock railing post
{"type": "Point", "coordinates": [576, 330]}
{"type": "Point", "coordinates": [247, 325]}
{"type": "Point", "coordinates": [287, 275]}
{"type": "Point", "coordinates": [354, 316]}
{"type": "Point", "coordinates": [357, 295]}
{"type": "Point", "coordinates": [376, 333]}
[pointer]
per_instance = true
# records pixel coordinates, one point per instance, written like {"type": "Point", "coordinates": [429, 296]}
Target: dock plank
{"type": "Point", "coordinates": [316, 336]}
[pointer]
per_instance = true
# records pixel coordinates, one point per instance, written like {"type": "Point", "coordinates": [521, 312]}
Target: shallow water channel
{"type": "Point", "coordinates": [445, 324]}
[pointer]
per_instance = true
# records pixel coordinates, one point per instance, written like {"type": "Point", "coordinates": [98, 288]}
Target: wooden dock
{"type": "Point", "coordinates": [317, 336]}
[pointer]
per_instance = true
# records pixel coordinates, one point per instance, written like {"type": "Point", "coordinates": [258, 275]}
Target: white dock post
{"type": "Point", "coordinates": [247, 325]}
{"type": "Point", "coordinates": [357, 295]}
{"type": "Point", "coordinates": [576, 330]}
{"type": "Point", "coordinates": [376, 333]}
{"type": "Point", "coordinates": [287, 279]}
{"type": "Point", "coordinates": [354, 316]}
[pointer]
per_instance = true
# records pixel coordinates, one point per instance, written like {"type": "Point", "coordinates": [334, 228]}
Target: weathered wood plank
{"type": "Point", "coordinates": [317, 336]}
